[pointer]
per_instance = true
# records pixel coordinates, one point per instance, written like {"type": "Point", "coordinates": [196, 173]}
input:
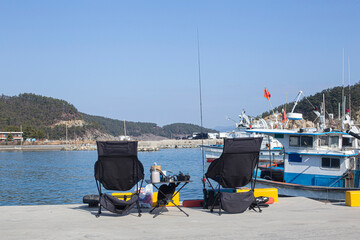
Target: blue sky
{"type": "Point", "coordinates": [138, 59]}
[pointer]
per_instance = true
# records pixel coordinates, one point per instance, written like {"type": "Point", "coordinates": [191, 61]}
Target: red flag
{"type": "Point", "coordinates": [267, 95]}
{"type": "Point", "coordinates": [283, 116]}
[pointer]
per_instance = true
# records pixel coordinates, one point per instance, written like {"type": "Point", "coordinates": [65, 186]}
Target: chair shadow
{"type": "Point", "coordinates": [223, 212]}
{"type": "Point", "coordinates": [156, 211]}
{"type": "Point", "coordinates": [105, 213]}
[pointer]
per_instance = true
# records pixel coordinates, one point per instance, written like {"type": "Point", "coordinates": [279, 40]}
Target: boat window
{"type": "Point", "coordinates": [330, 162]}
{"type": "Point", "coordinates": [347, 142]}
{"type": "Point", "coordinates": [303, 141]}
{"type": "Point", "coordinates": [306, 141]}
{"type": "Point", "coordinates": [335, 162]}
{"type": "Point", "coordinates": [324, 140]}
{"type": "Point", "coordinates": [279, 136]}
{"type": "Point", "coordinates": [294, 141]}
{"type": "Point", "coordinates": [325, 162]}
{"type": "Point", "coordinates": [334, 141]}
{"type": "Point", "coordinates": [295, 158]}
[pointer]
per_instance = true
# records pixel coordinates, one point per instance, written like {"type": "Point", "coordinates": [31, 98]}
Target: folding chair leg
{"type": "Point", "coordinates": [157, 205]}
{"type": "Point", "coordinates": [99, 211]}
{"type": "Point", "coordinates": [138, 207]}
{"type": "Point", "coordinates": [215, 199]}
{"type": "Point", "coordinates": [253, 208]}
{"type": "Point", "coordinates": [258, 207]}
{"type": "Point", "coordinates": [219, 207]}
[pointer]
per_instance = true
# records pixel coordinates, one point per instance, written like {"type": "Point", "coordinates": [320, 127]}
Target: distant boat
{"type": "Point", "coordinates": [271, 149]}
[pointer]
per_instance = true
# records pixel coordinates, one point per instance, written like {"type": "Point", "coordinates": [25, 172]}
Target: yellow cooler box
{"type": "Point", "coordinates": [174, 198]}
{"type": "Point", "coordinates": [263, 192]}
{"type": "Point", "coordinates": [122, 196]}
{"type": "Point", "coordinates": [127, 196]}
{"type": "Point", "coordinates": [352, 198]}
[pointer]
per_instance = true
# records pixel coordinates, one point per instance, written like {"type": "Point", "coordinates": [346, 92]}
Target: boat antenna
{"type": "Point", "coordinates": [296, 102]}
{"type": "Point", "coordinates": [230, 119]}
{"type": "Point", "coordinates": [124, 128]}
{"type": "Point", "coordinates": [201, 110]}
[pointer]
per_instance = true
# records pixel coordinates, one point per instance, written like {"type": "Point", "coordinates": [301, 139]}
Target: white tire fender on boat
{"type": "Point", "coordinates": [294, 116]}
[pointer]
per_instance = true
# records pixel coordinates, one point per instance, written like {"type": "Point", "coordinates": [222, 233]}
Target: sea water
{"type": "Point", "coordinates": [64, 177]}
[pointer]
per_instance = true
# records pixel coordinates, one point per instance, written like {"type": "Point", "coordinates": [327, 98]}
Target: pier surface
{"type": "Point", "coordinates": [290, 218]}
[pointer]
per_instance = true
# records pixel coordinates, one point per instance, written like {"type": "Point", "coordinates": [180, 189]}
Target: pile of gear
{"type": "Point", "coordinates": [157, 175]}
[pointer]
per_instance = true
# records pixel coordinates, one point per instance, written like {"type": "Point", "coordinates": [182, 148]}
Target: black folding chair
{"type": "Point", "coordinates": [235, 168]}
{"type": "Point", "coordinates": [118, 169]}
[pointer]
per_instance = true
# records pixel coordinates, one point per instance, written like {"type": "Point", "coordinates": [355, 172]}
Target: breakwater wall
{"type": "Point", "coordinates": [142, 145]}
{"type": "Point", "coordinates": [164, 144]}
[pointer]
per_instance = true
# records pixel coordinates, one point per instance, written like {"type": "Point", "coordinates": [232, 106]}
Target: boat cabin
{"type": "Point", "coordinates": [319, 158]}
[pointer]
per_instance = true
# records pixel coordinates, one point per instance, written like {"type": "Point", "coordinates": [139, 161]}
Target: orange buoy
{"type": "Point", "coordinates": [193, 203]}
{"type": "Point", "coordinates": [271, 200]}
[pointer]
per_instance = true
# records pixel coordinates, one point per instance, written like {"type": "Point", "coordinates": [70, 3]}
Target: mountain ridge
{"type": "Point", "coordinates": [46, 117]}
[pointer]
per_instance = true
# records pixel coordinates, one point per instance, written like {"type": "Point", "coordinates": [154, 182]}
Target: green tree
{"type": "Point", "coordinates": [29, 132]}
{"type": "Point", "coordinates": [12, 128]}
{"type": "Point", "coordinates": [10, 137]}
{"type": "Point", "coordinates": [40, 134]}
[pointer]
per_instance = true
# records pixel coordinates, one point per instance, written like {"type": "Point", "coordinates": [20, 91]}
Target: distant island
{"type": "Point", "coordinates": [40, 117]}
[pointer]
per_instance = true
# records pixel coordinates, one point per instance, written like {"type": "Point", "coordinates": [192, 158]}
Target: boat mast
{"type": "Point", "coordinates": [323, 117]}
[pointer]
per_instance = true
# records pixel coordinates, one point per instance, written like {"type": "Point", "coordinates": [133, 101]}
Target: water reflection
{"type": "Point", "coordinates": [57, 177]}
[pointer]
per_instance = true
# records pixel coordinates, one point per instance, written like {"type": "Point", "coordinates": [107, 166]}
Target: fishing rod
{"type": "Point", "coordinates": [349, 87]}
{"type": "Point", "coordinates": [201, 110]}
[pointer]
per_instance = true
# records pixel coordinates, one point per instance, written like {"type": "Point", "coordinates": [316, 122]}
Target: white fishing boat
{"type": "Point", "coordinates": [320, 163]}
{"type": "Point", "coordinates": [271, 149]}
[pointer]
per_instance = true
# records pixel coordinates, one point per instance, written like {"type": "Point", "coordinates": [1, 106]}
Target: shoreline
{"type": "Point", "coordinates": [143, 146]}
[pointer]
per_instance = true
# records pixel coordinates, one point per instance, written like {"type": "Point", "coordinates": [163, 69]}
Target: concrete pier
{"type": "Point", "coordinates": [290, 218]}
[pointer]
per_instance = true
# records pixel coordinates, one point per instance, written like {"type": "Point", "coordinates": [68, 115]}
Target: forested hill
{"type": "Point", "coordinates": [116, 127]}
{"type": "Point", "coordinates": [45, 117]}
{"type": "Point", "coordinates": [332, 100]}
{"type": "Point", "coordinates": [31, 109]}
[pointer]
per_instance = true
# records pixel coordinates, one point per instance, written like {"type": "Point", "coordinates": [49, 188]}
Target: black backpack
{"type": "Point", "coordinates": [165, 192]}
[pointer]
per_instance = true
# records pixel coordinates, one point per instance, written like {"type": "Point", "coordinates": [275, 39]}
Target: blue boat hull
{"type": "Point", "coordinates": [314, 180]}
{"type": "Point", "coordinates": [314, 192]}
